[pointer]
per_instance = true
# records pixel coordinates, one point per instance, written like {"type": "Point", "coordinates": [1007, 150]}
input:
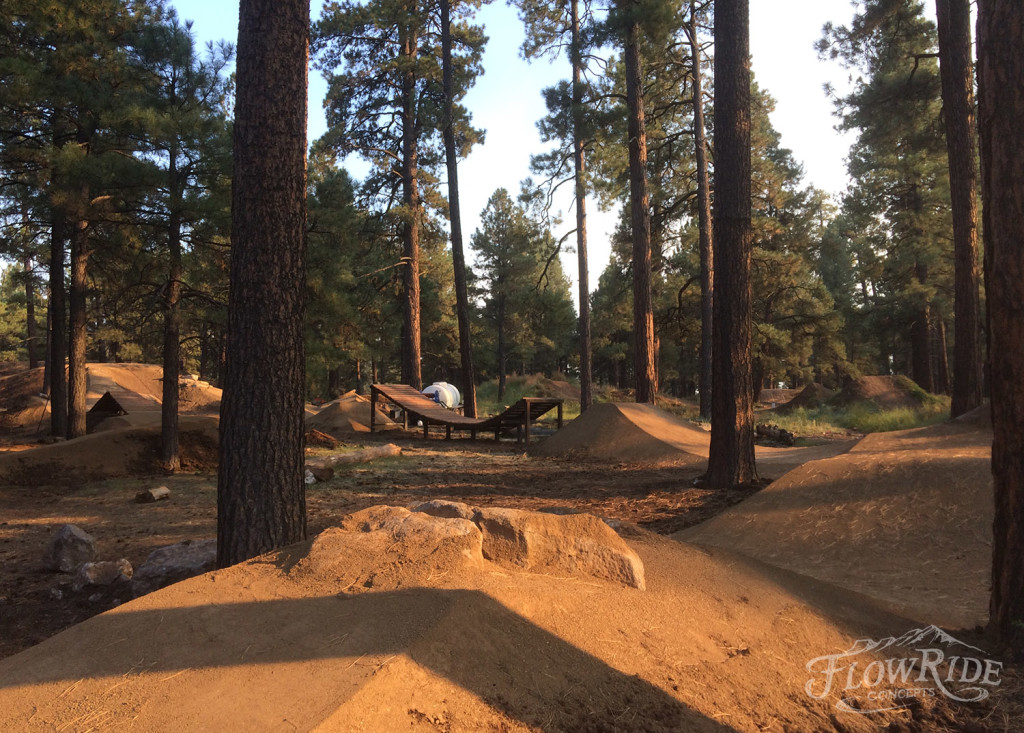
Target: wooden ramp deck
{"type": "Point", "coordinates": [423, 408]}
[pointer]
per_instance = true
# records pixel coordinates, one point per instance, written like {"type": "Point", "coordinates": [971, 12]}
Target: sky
{"type": "Point", "coordinates": [506, 102]}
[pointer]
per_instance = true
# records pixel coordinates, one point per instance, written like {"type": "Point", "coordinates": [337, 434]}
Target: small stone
{"type": "Point", "coordinates": [103, 573]}
{"type": "Point", "coordinates": [56, 594]}
{"type": "Point", "coordinates": [69, 547]}
{"type": "Point", "coordinates": [310, 478]}
{"type": "Point", "coordinates": [321, 473]}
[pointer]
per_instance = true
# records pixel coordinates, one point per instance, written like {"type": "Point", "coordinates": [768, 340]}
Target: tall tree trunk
{"type": "Point", "coordinates": [502, 351]}
{"type": "Point", "coordinates": [579, 173]}
{"type": "Point", "coordinates": [643, 308]}
{"type": "Point", "coordinates": [921, 349]}
{"type": "Point", "coordinates": [261, 500]}
{"type": "Point", "coordinates": [58, 383]}
{"type": "Point", "coordinates": [172, 326]}
{"type": "Point", "coordinates": [1000, 111]}
{"type": "Point", "coordinates": [455, 217]}
{"type": "Point", "coordinates": [31, 332]}
{"type": "Point", "coordinates": [707, 260]}
{"type": "Point", "coordinates": [954, 19]}
{"type": "Point", "coordinates": [411, 373]}
{"type": "Point", "coordinates": [731, 459]}
{"type": "Point", "coordinates": [78, 323]}
{"type": "Point", "coordinates": [941, 376]}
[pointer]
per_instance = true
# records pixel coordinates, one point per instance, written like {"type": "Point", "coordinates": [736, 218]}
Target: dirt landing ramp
{"type": "Point", "coordinates": [414, 631]}
{"type": "Point", "coordinates": [636, 433]}
{"type": "Point", "coordinates": [904, 517]}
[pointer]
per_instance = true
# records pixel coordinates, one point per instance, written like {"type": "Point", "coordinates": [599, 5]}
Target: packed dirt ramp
{"type": "Point", "coordinates": [397, 627]}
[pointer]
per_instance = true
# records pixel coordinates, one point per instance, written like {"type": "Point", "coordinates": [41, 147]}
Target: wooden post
{"type": "Point", "coordinates": [426, 428]}
{"type": "Point", "coordinates": [373, 407]}
{"type": "Point", "coordinates": [559, 415]}
{"type": "Point", "coordinates": [447, 432]}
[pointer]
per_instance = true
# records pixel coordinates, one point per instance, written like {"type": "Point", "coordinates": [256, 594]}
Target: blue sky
{"type": "Point", "coordinates": [506, 101]}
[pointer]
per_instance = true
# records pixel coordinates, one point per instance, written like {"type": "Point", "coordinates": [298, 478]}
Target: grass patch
{"type": "Point", "coordinates": [864, 417]}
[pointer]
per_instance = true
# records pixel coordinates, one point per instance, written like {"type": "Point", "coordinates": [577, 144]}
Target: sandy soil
{"type": "Point", "coordinates": [353, 631]}
{"type": "Point", "coordinates": [905, 517]}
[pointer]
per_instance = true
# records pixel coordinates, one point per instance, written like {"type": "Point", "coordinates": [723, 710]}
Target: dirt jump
{"type": "Point", "coordinates": [903, 517]}
{"type": "Point", "coordinates": [404, 621]}
{"type": "Point", "coordinates": [628, 432]}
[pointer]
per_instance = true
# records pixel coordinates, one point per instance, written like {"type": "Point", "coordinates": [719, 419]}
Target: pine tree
{"type": "Point", "coordinates": [1000, 110]}
{"type": "Point", "coordinates": [731, 460]}
{"type": "Point", "coordinates": [260, 490]}
{"type": "Point", "coordinates": [386, 102]}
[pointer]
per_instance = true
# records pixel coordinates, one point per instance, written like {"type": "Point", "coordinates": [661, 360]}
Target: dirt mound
{"type": "Point", "coordinates": [20, 403]}
{"type": "Point", "coordinates": [558, 388]}
{"type": "Point", "coordinates": [411, 629]}
{"type": "Point", "coordinates": [811, 396]}
{"type": "Point", "coordinates": [139, 388]}
{"type": "Point", "coordinates": [127, 451]}
{"type": "Point", "coordinates": [348, 414]}
{"type": "Point", "coordinates": [904, 517]}
{"type": "Point", "coordinates": [631, 432]}
{"type": "Point", "coordinates": [776, 396]}
{"type": "Point", "coordinates": [886, 392]}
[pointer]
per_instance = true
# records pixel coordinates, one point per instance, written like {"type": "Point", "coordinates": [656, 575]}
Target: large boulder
{"type": "Point", "coordinates": [574, 544]}
{"type": "Point", "coordinates": [69, 547]}
{"type": "Point", "coordinates": [173, 563]}
{"type": "Point", "coordinates": [579, 545]}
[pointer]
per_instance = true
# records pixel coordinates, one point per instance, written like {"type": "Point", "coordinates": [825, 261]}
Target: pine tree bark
{"type": "Point", "coordinates": [643, 308]}
{"type": "Point", "coordinates": [704, 225]}
{"type": "Point", "coordinates": [30, 315]}
{"type": "Point", "coordinates": [78, 326]}
{"type": "Point", "coordinates": [169, 456]}
{"type": "Point", "coordinates": [58, 383]}
{"type": "Point", "coordinates": [954, 21]}
{"type": "Point", "coordinates": [731, 459]}
{"type": "Point", "coordinates": [455, 218]}
{"type": "Point", "coordinates": [261, 501]}
{"type": "Point", "coordinates": [411, 368]}
{"type": "Point", "coordinates": [579, 176]}
{"type": "Point", "coordinates": [1000, 111]}
{"type": "Point", "coordinates": [502, 351]}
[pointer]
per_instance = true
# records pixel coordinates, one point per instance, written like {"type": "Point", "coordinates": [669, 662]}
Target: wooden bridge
{"type": "Point", "coordinates": [423, 408]}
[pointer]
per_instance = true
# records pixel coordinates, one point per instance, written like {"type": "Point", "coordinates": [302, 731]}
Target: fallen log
{"type": "Point", "coordinates": [323, 468]}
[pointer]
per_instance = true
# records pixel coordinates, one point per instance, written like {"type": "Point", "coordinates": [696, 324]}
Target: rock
{"type": "Point", "coordinates": [446, 509]}
{"type": "Point", "coordinates": [150, 495]}
{"type": "Point", "coordinates": [574, 544]}
{"type": "Point", "coordinates": [321, 473]}
{"type": "Point", "coordinates": [309, 478]}
{"type": "Point", "coordinates": [103, 573]}
{"type": "Point", "coordinates": [56, 594]}
{"type": "Point", "coordinates": [69, 547]}
{"type": "Point", "coordinates": [174, 563]}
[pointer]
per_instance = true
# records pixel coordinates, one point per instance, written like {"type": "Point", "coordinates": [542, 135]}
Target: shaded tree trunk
{"type": "Point", "coordinates": [1001, 109]}
{"type": "Point", "coordinates": [455, 217]}
{"type": "Point", "coordinates": [78, 324]}
{"type": "Point", "coordinates": [579, 173]}
{"type": "Point", "coordinates": [502, 350]}
{"type": "Point", "coordinates": [31, 332]}
{"type": "Point", "coordinates": [954, 21]}
{"type": "Point", "coordinates": [58, 384]}
{"type": "Point", "coordinates": [643, 308]}
{"type": "Point", "coordinates": [172, 327]}
{"type": "Point", "coordinates": [707, 261]}
{"type": "Point", "coordinates": [261, 501]}
{"type": "Point", "coordinates": [941, 376]}
{"type": "Point", "coordinates": [921, 349]}
{"type": "Point", "coordinates": [411, 373]}
{"type": "Point", "coordinates": [731, 459]}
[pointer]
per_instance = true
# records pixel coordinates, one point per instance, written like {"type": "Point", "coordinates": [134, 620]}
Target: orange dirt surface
{"type": "Point", "coordinates": [347, 632]}
{"type": "Point", "coordinates": [905, 517]}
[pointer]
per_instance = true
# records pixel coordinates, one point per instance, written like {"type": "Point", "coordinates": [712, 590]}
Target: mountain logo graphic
{"type": "Point", "coordinates": [892, 673]}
